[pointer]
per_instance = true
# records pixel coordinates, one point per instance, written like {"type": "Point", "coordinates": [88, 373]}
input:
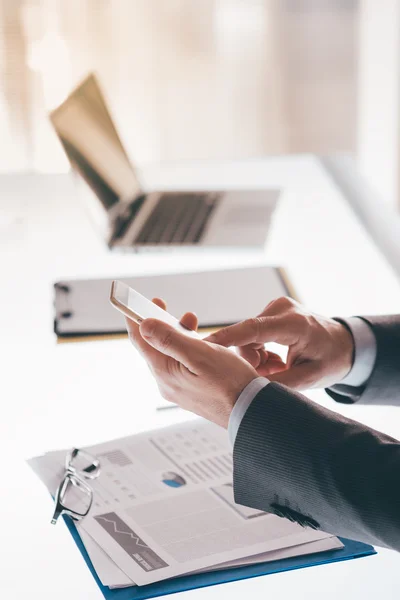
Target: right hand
{"type": "Point", "coordinates": [320, 349]}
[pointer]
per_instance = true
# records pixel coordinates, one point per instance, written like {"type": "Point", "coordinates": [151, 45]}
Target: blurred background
{"type": "Point", "coordinates": [186, 79]}
{"type": "Point", "coordinates": [209, 79]}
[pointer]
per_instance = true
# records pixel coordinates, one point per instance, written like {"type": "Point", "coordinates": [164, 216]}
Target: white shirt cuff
{"type": "Point", "coordinates": [365, 352]}
{"type": "Point", "coordinates": [242, 404]}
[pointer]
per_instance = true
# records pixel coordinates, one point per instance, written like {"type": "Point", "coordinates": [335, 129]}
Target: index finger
{"type": "Point", "coordinates": [257, 330]}
{"type": "Point", "coordinates": [190, 321]}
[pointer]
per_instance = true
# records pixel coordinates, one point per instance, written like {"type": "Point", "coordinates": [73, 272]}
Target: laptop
{"type": "Point", "coordinates": [134, 218]}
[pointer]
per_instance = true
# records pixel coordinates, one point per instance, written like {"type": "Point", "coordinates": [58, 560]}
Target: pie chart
{"type": "Point", "coordinates": [173, 480]}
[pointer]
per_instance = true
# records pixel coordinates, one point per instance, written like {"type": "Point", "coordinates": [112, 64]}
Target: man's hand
{"type": "Point", "coordinates": [204, 378]}
{"type": "Point", "coordinates": [320, 349]}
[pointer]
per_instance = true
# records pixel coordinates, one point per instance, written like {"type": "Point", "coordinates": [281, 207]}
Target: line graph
{"type": "Point", "coordinates": [137, 540]}
{"type": "Point", "coordinates": [130, 541]}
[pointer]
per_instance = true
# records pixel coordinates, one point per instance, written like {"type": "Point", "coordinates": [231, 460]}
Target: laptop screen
{"type": "Point", "coordinates": [91, 142]}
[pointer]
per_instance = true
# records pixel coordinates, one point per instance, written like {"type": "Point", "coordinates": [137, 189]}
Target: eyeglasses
{"type": "Point", "coordinates": [74, 496]}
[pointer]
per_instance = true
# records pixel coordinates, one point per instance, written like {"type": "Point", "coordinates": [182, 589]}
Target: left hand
{"type": "Point", "coordinates": [204, 378]}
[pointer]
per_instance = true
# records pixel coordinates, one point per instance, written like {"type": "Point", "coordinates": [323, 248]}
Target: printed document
{"type": "Point", "coordinates": [164, 506]}
{"type": "Point", "coordinates": [111, 576]}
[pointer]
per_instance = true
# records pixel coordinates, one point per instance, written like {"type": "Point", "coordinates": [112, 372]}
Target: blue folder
{"type": "Point", "coordinates": [189, 582]}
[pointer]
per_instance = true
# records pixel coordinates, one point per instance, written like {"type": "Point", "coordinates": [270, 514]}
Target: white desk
{"type": "Point", "coordinates": [63, 395]}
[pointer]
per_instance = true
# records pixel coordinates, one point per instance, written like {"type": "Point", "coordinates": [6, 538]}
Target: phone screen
{"type": "Point", "coordinates": [138, 308]}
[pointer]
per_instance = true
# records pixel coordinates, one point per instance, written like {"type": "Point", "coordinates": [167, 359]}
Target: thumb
{"type": "Point", "coordinates": [298, 377]}
{"type": "Point", "coordinates": [171, 342]}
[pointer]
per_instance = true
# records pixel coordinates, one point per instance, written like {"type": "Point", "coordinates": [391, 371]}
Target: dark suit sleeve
{"type": "Point", "coordinates": [383, 387]}
{"type": "Point", "coordinates": [304, 462]}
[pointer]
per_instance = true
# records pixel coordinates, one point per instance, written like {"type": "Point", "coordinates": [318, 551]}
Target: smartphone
{"type": "Point", "coordinates": [138, 308]}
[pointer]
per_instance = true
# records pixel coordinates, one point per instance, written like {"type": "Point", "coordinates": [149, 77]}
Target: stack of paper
{"type": "Point", "coordinates": [163, 507]}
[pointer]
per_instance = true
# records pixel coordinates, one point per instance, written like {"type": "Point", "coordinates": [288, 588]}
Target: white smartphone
{"type": "Point", "coordinates": [138, 308]}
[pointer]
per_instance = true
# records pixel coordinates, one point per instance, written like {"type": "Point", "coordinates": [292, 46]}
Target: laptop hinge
{"type": "Point", "coordinates": [121, 216]}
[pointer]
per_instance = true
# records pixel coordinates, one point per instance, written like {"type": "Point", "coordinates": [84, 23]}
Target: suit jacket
{"type": "Point", "coordinates": [306, 463]}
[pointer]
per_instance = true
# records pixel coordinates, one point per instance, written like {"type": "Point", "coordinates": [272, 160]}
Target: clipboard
{"type": "Point", "coordinates": [351, 550]}
{"type": "Point", "coordinates": [218, 297]}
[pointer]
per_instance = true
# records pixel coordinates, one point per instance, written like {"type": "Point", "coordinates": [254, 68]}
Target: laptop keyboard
{"type": "Point", "coordinates": [178, 219]}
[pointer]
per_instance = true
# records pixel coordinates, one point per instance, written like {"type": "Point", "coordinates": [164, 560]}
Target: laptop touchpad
{"type": "Point", "coordinates": [247, 215]}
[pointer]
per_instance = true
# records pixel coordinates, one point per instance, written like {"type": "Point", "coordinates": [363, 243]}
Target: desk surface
{"type": "Point", "coordinates": [75, 394]}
